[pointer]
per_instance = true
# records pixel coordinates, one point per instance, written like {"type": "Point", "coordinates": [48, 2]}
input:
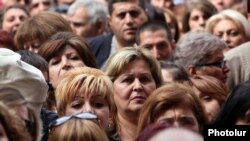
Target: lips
{"type": "Point", "coordinates": [130, 30]}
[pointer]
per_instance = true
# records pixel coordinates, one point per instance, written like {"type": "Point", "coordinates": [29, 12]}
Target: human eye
{"type": "Point", "coordinates": [195, 18]}
{"type": "Point", "coordinates": [167, 121]}
{"type": "Point", "coordinates": [233, 33]}
{"type": "Point", "coordinates": [162, 45]}
{"type": "Point", "coordinates": [74, 57]}
{"type": "Point", "coordinates": [54, 61]}
{"type": "Point", "coordinates": [121, 15]}
{"type": "Point", "coordinates": [22, 18]}
{"type": "Point", "coordinates": [219, 35]}
{"type": "Point", "coordinates": [145, 79]}
{"type": "Point", "coordinates": [98, 102]}
{"type": "Point", "coordinates": [128, 79]}
{"type": "Point", "coordinates": [149, 47]}
{"type": "Point", "coordinates": [206, 98]}
{"type": "Point", "coordinates": [186, 121]}
{"type": "Point", "coordinates": [10, 19]}
{"type": "Point", "coordinates": [134, 13]}
{"type": "Point", "coordinates": [76, 105]}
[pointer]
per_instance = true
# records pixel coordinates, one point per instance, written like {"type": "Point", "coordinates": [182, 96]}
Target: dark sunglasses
{"type": "Point", "coordinates": [64, 119]}
{"type": "Point", "coordinates": [219, 64]}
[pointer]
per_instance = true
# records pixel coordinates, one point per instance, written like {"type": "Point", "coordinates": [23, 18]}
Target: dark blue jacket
{"type": "Point", "coordinates": [101, 46]}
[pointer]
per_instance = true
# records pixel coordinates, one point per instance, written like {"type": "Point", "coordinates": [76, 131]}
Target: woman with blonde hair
{"type": "Point", "coordinates": [135, 75]}
{"type": "Point", "coordinates": [85, 89]}
{"type": "Point", "coordinates": [173, 98]}
{"type": "Point", "coordinates": [77, 127]}
{"type": "Point", "coordinates": [230, 26]}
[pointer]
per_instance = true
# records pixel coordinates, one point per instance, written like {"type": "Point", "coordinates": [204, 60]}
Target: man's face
{"type": "Point", "coordinates": [157, 43]}
{"type": "Point", "coordinates": [80, 23]}
{"type": "Point", "coordinates": [125, 19]}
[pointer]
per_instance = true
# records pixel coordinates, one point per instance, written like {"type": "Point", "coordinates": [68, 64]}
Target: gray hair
{"type": "Point", "coordinates": [240, 20]}
{"type": "Point", "coordinates": [96, 10]}
{"type": "Point", "coordinates": [194, 47]}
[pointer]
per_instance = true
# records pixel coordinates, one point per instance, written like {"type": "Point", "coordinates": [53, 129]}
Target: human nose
{"type": "Point", "coordinates": [87, 108]}
{"type": "Point", "coordinates": [66, 64]}
{"type": "Point", "coordinates": [41, 7]}
{"type": "Point", "coordinates": [155, 53]}
{"type": "Point", "coordinates": [225, 38]}
{"type": "Point", "coordinates": [128, 18]}
{"type": "Point", "coordinates": [137, 85]}
{"type": "Point", "coordinates": [202, 21]}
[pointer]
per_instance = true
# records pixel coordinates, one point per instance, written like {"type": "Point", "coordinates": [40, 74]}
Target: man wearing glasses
{"type": "Point", "coordinates": [202, 53]}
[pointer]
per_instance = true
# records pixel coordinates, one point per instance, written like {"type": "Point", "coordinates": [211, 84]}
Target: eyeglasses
{"type": "Point", "coordinates": [219, 64]}
{"type": "Point", "coordinates": [64, 119]}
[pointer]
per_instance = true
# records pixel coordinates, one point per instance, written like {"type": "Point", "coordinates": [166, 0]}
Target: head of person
{"type": "Point", "coordinates": [11, 127]}
{"type": "Point", "coordinates": [212, 93]}
{"type": "Point", "coordinates": [172, 22]}
{"type": "Point", "coordinates": [236, 110]}
{"type": "Point", "coordinates": [165, 4]}
{"type": "Point", "coordinates": [35, 60]}
{"type": "Point", "coordinates": [172, 72]}
{"type": "Point", "coordinates": [12, 17]}
{"type": "Point", "coordinates": [40, 63]}
{"type": "Point", "coordinates": [12, 2]}
{"type": "Point", "coordinates": [135, 75]}
{"type": "Point", "coordinates": [88, 18]}
{"type": "Point", "coordinates": [64, 51]}
{"type": "Point", "coordinates": [18, 105]}
{"type": "Point", "coordinates": [157, 38]}
{"type": "Point", "coordinates": [223, 4]}
{"type": "Point", "coordinates": [25, 78]}
{"type": "Point", "coordinates": [230, 26]}
{"type": "Point", "coordinates": [78, 127]}
{"type": "Point", "coordinates": [125, 17]}
{"type": "Point", "coordinates": [202, 53]}
{"type": "Point", "coordinates": [7, 40]}
{"type": "Point", "coordinates": [85, 90]}
{"type": "Point", "coordinates": [174, 104]}
{"type": "Point", "coordinates": [163, 132]}
{"type": "Point", "coordinates": [43, 26]}
{"type": "Point", "coordinates": [196, 14]}
{"type": "Point", "coordinates": [38, 6]}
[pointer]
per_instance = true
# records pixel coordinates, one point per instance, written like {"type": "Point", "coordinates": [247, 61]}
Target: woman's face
{"type": "Point", "coordinates": [212, 105]}
{"type": "Point", "coordinates": [229, 33]}
{"type": "Point", "coordinates": [93, 103]}
{"type": "Point", "coordinates": [3, 135]}
{"type": "Point", "coordinates": [132, 87]}
{"type": "Point", "coordinates": [197, 19]}
{"type": "Point", "coordinates": [180, 116]}
{"type": "Point", "coordinates": [214, 66]}
{"type": "Point", "coordinates": [64, 61]}
{"type": "Point", "coordinates": [12, 19]}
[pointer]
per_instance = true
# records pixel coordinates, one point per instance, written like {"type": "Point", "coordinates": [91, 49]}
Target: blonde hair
{"type": "Point", "coordinates": [78, 130]}
{"type": "Point", "coordinates": [117, 63]}
{"type": "Point", "coordinates": [240, 20]}
{"type": "Point", "coordinates": [86, 81]}
{"type": "Point", "coordinates": [167, 96]}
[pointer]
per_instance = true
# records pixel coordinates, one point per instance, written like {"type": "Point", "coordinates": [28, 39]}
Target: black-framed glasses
{"type": "Point", "coordinates": [64, 119]}
{"type": "Point", "coordinates": [219, 64]}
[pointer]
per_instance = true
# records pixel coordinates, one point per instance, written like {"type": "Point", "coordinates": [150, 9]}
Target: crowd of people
{"type": "Point", "coordinates": [122, 70]}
